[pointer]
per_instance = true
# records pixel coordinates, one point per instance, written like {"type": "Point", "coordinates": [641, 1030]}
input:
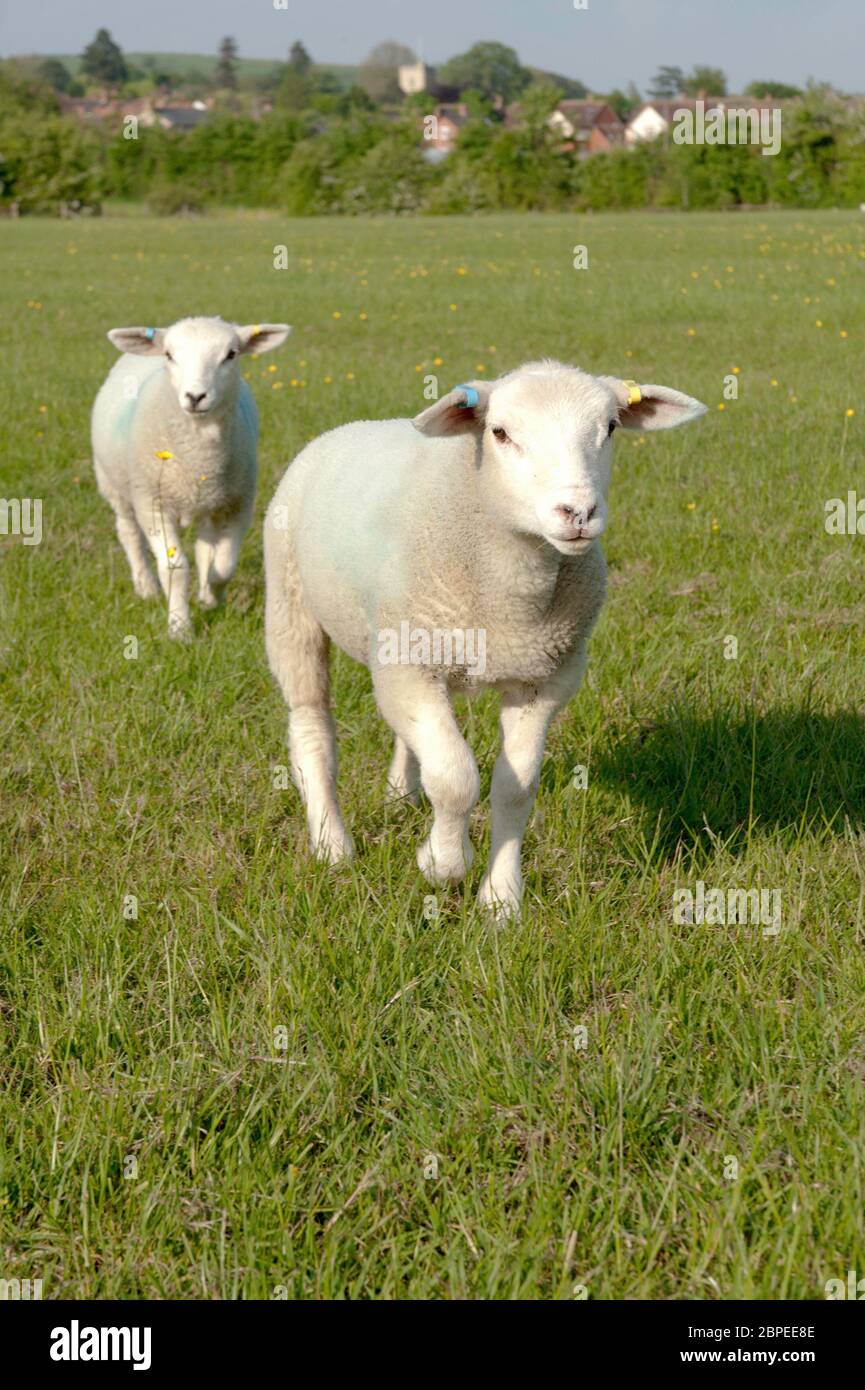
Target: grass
{"type": "Point", "coordinates": [246, 1087]}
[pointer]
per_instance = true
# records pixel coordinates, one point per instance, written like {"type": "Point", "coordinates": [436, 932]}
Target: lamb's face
{"type": "Point", "coordinates": [201, 360]}
{"type": "Point", "coordinates": [546, 443]}
{"type": "Point", "coordinates": [201, 356]}
{"type": "Point", "coordinates": [547, 451]}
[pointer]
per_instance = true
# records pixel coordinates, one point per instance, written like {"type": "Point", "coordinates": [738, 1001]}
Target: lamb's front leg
{"type": "Point", "coordinates": [525, 718]}
{"type": "Point", "coordinates": [216, 554]}
{"type": "Point", "coordinates": [418, 709]}
{"type": "Point", "coordinates": [163, 537]}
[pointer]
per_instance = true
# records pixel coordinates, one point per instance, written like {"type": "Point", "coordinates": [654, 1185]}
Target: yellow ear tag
{"type": "Point", "coordinates": [635, 395]}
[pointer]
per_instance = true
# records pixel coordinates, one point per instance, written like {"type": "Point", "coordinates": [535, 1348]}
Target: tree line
{"type": "Point", "coordinates": [327, 147]}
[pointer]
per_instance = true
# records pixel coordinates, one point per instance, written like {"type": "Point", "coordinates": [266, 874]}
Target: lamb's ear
{"type": "Point", "coordinates": [146, 342]}
{"type": "Point", "coordinates": [262, 337]}
{"type": "Point", "coordinates": [653, 407]}
{"type": "Point", "coordinates": [462, 409]}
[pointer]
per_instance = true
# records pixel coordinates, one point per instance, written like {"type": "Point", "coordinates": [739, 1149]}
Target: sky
{"type": "Point", "coordinates": [606, 45]}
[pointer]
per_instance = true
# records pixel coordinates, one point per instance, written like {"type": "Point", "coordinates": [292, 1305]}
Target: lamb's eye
{"type": "Point", "coordinates": [500, 434]}
{"type": "Point", "coordinates": [613, 424]}
{"type": "Point", "coordinates": [232, 352]}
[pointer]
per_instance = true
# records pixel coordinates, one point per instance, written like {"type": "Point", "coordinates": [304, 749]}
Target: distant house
{"type": "Point", "coordinates": [181, 117]}
{"type": "Point", "coordinates": [107, 108]}
{"type": "Point", "coordinates": [585, 125]}
{"type": "Point", "coordinates": [449, 120]}
{"type": "Point", "coordinates": [588, 126]}
{"type": "Point", "coordinates": [177, 116]}
{"type": "Point", "coordinates": [655, 118]}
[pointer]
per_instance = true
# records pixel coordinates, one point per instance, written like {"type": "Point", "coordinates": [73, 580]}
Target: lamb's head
{"type": "Point", "coordinates": [201, 356]}
{"type": "Point", "coordinates": [545, 442]}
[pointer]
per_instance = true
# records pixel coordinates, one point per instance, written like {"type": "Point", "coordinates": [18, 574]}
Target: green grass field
{"type": "Point", "coordinates": [158, 1138]}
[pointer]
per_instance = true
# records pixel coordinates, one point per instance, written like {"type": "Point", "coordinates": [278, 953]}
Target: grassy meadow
{"type": "Point", "coordinates": [284, 1080]}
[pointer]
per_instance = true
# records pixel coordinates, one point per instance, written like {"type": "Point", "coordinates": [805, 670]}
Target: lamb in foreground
{"type": "Point", "coordinates": [174, 433]}
{"type": "Point", "coordinates": [453, 552]}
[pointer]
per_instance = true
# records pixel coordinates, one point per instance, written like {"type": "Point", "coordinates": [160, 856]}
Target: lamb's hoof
{"type": "Point", "coordinates": [501, 903]}
{"type": "Point", "coordinates": [335, 848]}
{"type": "Point", "coordinates": [208, 599]}
{"type": "Point", "coordinates": [179, 630]}
{"type": "Point", "coordinates": [145, 585]}
{"type": "Point", "coordinates": [445, 866]}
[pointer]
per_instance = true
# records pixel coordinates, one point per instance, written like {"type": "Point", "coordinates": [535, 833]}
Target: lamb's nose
{"type": "Point", "coordinates": [195, 400]}
{"type": "Point", "coordinates": [576, 516]}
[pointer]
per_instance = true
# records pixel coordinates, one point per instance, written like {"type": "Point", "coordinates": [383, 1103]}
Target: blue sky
{"type": "Point", "coordinates": [607, 45]}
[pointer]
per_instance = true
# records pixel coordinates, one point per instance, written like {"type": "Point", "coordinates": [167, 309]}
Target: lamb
{"type": "Point", "coordinates": [174, 432]}
{"type": "Point", "coordinates": [482, 517]}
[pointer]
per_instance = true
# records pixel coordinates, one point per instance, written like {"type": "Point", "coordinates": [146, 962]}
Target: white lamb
{"type": "Point", "coordinates": [174, 441]}
{"type": "Point", "coordinates": [450, 553]}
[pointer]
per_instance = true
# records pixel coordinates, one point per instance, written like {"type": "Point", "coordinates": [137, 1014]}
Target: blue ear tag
{"type": "Point", "coordinates": [150, 333]}
{"type": "Point", "coordinates": [472, 397]}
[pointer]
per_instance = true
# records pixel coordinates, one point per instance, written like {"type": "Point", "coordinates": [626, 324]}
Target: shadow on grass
{"type": "Point", "coordinates": [700, 778]}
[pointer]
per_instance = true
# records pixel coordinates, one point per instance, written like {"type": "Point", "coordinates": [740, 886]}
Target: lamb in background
{"type": "Point", "coordinates": [174, 430]}
{"type": "Point", "coordinates": [481, 516]}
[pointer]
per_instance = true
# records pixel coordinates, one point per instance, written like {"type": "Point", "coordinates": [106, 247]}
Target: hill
{"type": "Point", "coordinates": [203, 65]}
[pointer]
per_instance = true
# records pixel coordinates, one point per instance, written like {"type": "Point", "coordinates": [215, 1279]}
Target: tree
{"type": "Point", "coordinates": [378, 72]}
{"type": "Point", "coordinates": [537, 104]}
{"type": "Point", "coordinates": [666, 83]}
{"type": "Point", "coordinates": [389, 54]}
{"type": "Point", "coordinates": [781, 91]}
{"type": "Point", "coordinates": [298, 59]}
{"type": "Point", "coordinates": [570, 87]}
{"type": "Point", "coordinates": [619, 102]}
{"type": "Point", "coordinates": [491, 68]}
{"type": "Point", "coordinates": [295, 87]}
{"type": "Point", "coordinates": [623, 103]}
{"type": "Point", "coordinates": [226, 68]}
{"type": "Point", "coordinates": [326, 82]}
{"type": "Point", "coordinates": [292, 94]}
{"type": "Point", "coordinates": [478, 105]}
{"type": "Point", "coordinates": [103, 61]}
{"type": "Point", "coordinates": [55, 75]}
{"type": "Point", "coordinates": [711, 81]}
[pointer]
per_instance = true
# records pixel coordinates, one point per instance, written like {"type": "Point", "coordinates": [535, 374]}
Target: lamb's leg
{"type": "Point", "coordinates": [172, 566]}
{"type": "Point", "coordinates": [205, 538]}
{"type": "Point", "coordinates": [216, 554]}
{"type": "Point", "coordinates": [298, 650]}
{"type": "Point", "coordinates": [525, 718]}
{"type": "Point", "coordinates": [403, 779]}
{"type": "Point", "coordinates": [131, 537]}
{"type": "Point", "coordinates": [129, 533]}
{"type": "Point", "coordinates": [419, 711]}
